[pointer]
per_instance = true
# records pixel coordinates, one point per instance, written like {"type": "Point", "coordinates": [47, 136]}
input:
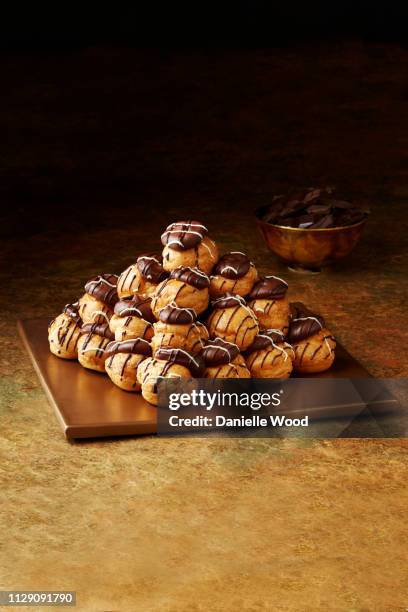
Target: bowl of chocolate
{"type": "Point", "coordinates": [311, 228]}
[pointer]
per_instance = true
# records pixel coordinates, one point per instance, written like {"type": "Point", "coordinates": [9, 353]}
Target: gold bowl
{"type": "Point", "coordinates": [308, 250]}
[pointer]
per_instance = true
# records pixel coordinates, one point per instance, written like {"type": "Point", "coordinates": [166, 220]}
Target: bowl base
{"type": "Point", "coordinates": [303, 270]}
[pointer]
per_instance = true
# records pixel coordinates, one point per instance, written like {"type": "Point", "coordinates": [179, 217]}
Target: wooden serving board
{"type": "Point", "coordinates": [89, 405]}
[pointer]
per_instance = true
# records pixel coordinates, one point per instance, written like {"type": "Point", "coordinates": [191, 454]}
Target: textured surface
{"type": "Point", "coordinates": [166, 525]}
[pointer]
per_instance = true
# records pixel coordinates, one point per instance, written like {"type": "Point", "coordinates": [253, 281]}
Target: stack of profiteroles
{"type": "Point", "coordinates": [190, 313]}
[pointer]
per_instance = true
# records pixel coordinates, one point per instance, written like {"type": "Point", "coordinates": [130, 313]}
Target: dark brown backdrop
{"type": "Point", "coordinates": [106, 145]}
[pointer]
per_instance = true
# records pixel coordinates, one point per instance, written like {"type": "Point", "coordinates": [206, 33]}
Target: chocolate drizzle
{"type": "Point", "coordinates": [183, 235]}
{"type": "Point", "coordinates": [173, 315]}
{"type": "Point", "coordinates": [99, 329]}
{"type": "Point", "coordinates": [103, 288]}
{"type": "Point", "coordinates": [228, 301]}
{"type": "Point", "coordinates": [269, 287]}
{"type": "Point", "coordinates": [191, 276]}
{"type": "Point", "coordinates": [304, 323]}
{"type": "Point", "coordinates": [233, 265]}
{"type": "Point", "coordinates": [71, 310]}
{"type": "Point", "coordinates": [136, 306]}
{"type": "Point", "coordinates": [139, 346]}
{"type": "Point", "coordinates": [181, 357]}
{"type": "Point", "coordinates": [151, 269]}
{"type": "Point", "coordinates": [265, 340]}
{"type": "Point", "coordinates": [219, 352]}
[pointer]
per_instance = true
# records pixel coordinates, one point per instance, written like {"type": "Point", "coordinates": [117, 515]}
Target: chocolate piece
{"type": "Point", "coordinates": [292, 208]}
{"type": "Point", "coordinates": [139, 346]}
{"type": "Point", "coordinates": [183, 235]}
{"type": "Point", "coordinates": [219, 352]}
{"type": "Point", "coordinates": [173, 315]}
{"type": "Point", "coordinates": [191, 276]}
{"type": "Point", "coordinates": [151, 269]}
{"type": "Point", "coordinates": [228, 301]}
{"type": "Point", "coordinates": [272, 213]}
{"type": "Point", "coordinates": [305, 221]}
{"type": "Point", "coordinates": [266, 340]}
{"type": "Point", "coordinates": [233, 265]}
{"type": "Point", "coordinates": [103, 288]}
{"type": "Point", "coordinates": [323, 222]}
{"type": "Point", "coordinates": [268, 287]}
{"type": "Point", "coordinates": [320, 209]}
{"type": "Point", "coordinates": [181, 357]}
{"type": "Point", "coordinates": [100, 329]}
{"type": "Point", "coordinates": [314, 194]}
{"type": "Point", "coordinates": [72, 311]}
{"type": "Point", "coordinates": [304, 323]}
{"type": "Point", "coordinates": [136, 306]}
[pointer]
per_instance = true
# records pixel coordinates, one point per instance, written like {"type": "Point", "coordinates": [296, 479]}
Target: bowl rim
{"type": "Point", "coordinates": [307, 229]}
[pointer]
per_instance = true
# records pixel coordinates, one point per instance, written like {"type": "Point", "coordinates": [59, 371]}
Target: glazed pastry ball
{"type": "Point", "coordinates": [178, 328]}
{"type": "Point", "coordinates": [234, 274]}
{"type": "Point", "coordinates": [223, 360]}
{"type": "Point", "coordinates": [132, 318]}
{"type": "Point", "coordinates": [122, 361]}
{"type": "Point", "coordinates": [142, 277]}
{"type": "Point", "coordinates": [313, 344]}
{"type": "Point", "coordinates": [92, 343]}
{"type": "Point", "coordinates": [269, 356]}
{"type": "Point", "coordinates": [96, 305]}
{"type": "Point", "coordinates": [234, 369]}
{"type": "Point", "coordinates": [64, 333]}
{"type": "Point", "coordinates": [167, 363]}
{"type": "Point", "coordinates": [267, 300]}
{"type": "Point", "coordinates": [186, 244]}
{"type": "Point", "coordinates": [315, 353]}
{"type": "Point", "coordinates": [185, 287]}
{"type": "Point", "coordinates": [233, 321]}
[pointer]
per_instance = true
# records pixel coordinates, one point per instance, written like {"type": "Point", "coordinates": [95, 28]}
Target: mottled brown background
{"type": "Point", "coordinates": [109, 144]}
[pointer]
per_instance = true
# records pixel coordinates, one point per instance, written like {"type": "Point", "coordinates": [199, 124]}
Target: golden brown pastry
{"type": "Point", "coordinates": [269, 356]}
{"type": "Point", "coordinates": [223, 360]}
{"type": "Point", "coordinates": [167, 363]}
{"type": "Point", "coordinates": [132, 318]}
{"type": "Point", "coordinates": [141, 277]}
{"type": "Point", "coordinates": [99, 299]}
{"type": "Point", "coordinates": [179, 328]}
{"type": "Point", "coordinates": [92, 343]}
{"type": "Point", "coordinates": [64, 333]}
{"type": "Point", "coordinates": [233, 321]}
{"type": "Point", "coordinates": [123, 359]}
{"type": "Point", "coordinates": [186, 244]}
{"type": "Point", "coordinates": [234, 274]}
{"type": "Point", "coordinates": [313, 344]}
{"type": "Point", "coordinates": [185, 287]}
{"type": "Point", "coordinates": [267, 300]}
